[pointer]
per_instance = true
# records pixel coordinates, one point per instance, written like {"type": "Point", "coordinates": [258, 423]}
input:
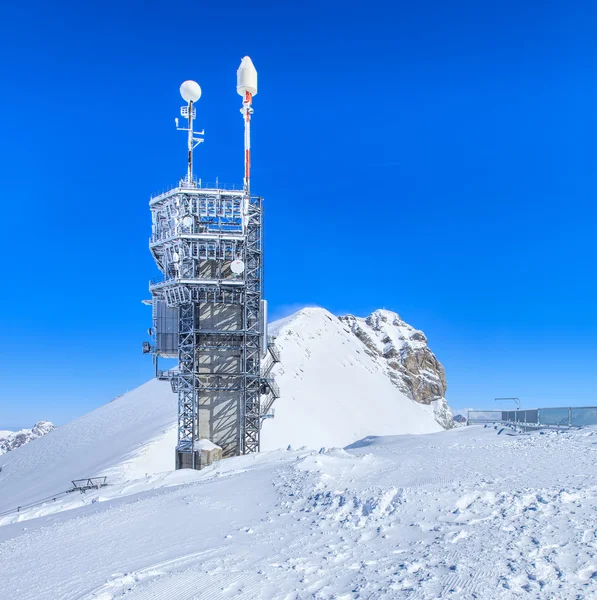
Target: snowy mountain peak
{"type": "Point", "coordinates": [395, 329]}
{"type": "Point", "coordinates": [341, 381]}
{"type": "Point", "coordinates": [10, 440]}
{"type": "Point", "coordinates": [410, 364]}
{"type": "Point", "coordinates": [400, 350]}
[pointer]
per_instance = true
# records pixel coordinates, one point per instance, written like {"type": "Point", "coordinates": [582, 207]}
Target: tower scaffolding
{"type": "Point", "coordinates": [209, 311]}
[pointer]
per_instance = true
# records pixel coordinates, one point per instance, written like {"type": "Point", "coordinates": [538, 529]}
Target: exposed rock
{"type": "Point", "coordinates": [460, 420]}
{"type": "Point", "coordinates": [11, 440]}
{"type": "Point", "coordinates": [412, 367]}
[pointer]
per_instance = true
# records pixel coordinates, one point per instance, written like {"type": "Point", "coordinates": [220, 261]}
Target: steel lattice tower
{"type": "Point", "coordinates": [208, 309]}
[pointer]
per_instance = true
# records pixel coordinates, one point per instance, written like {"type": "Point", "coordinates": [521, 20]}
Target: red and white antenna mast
{"type": "Point", "coordinates": [246, 86]}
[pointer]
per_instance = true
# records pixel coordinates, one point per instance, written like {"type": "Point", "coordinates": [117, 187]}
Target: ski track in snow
{"type": "Point", "coordinates": [461, 514]}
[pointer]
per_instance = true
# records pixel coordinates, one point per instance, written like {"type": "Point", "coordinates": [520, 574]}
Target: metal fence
{"type": "Point", "coordinates": [571, 416]}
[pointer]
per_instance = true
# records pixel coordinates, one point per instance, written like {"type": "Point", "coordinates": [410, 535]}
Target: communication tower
{"type": "Point", "coordinates": [207, 305]}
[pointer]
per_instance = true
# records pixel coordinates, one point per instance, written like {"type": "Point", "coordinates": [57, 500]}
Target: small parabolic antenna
{"type": "Point", "coordinates": [190, 91]}
{"type": "Point", "coordinates": [237, 266]}
{"type": "Point", "coordinates": [187, 221]}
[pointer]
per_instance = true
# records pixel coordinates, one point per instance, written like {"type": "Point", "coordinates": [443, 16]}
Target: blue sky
{"type": "Point", "coordinates": [433, 158]}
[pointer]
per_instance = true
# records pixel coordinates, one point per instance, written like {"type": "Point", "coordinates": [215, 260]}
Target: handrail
{"type": "Point", "coordinates": [551, 416]}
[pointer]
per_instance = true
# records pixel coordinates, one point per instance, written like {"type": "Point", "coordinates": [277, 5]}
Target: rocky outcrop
{"type": "Point", "coordinates": [411, 366]}
{"type": "Point", "coordinates": [12, 440]}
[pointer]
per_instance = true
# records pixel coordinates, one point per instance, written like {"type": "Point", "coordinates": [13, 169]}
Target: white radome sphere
{"type": "Point", "coordinates": [190, 91]}
{"type": "Point", "coordinates": [237, 266]}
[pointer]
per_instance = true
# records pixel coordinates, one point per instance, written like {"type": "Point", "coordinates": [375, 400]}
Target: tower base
{"type": "Point", "coordinates": [206, 454]}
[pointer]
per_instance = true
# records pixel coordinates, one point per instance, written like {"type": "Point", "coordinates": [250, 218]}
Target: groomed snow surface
{"type": "Point", "coordinates": [465, 513]}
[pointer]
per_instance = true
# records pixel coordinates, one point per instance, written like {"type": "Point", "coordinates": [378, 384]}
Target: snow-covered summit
{"type": "Point", "coordinates": [411, 365]}
{"type": "Point", "coordinates": [342, 378]}
{"type": "Point", "coordinates": [335, 391]}
{"type": "Point", "coordinates": [10, 440]}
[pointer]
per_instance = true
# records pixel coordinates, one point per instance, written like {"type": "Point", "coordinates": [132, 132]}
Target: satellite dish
{"type": "Point", "coordinates": [175, 257]}
{"type": "Point", "coordinates": [190, 91]}
{"type": "Point", "coordinates": [187, 221]}
{"type": "Point", "coordinates": [237, 266]}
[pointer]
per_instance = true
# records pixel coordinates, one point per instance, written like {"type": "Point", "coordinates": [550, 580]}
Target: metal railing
{"type": "Point", "coordinates": [569, 416]}
{"type": "Point", "coordinates": [79, 485]}
{"type": "Point", "coordinates": [91, 483]}
{"type": "Point", "coordinates": [168, 374]}
{"type": "Point", "coordinates": [273, 386]}
{"type": "Point", "coordinates": [201, 185]}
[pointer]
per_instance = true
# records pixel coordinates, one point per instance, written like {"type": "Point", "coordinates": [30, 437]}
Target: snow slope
{"type": "Point", "coordinates": [121, 439]}
{"type": "Point", "coordinates": [462, 514]}
{"type": "Point", "coordinates": [334, 392]}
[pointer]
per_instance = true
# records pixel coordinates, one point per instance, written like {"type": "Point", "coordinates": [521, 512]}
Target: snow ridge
{"type": "Point", "coordinates": [335, 390]}
{"type": "Point", "coordinates": [410, 364]}
{"type": "Point", "coordinates": [11, 440]}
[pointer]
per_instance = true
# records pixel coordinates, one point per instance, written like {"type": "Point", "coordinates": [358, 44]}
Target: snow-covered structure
{"type": "Point", "coordinates": [208, 309]}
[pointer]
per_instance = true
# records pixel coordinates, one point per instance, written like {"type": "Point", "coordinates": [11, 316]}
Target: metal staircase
{"type": "Point", "coordinates": [270, 390]}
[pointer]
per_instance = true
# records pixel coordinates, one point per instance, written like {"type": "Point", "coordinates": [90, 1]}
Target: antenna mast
{"type": "Point", "coordinates": [190, 92]}
{"type": "Point", "coordinates": [246, 86]}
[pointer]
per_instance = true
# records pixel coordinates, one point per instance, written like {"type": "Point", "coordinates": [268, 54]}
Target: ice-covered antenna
{"type": "Point", "coordinates": [190, 92]}
{"type": "Point", "coordinates": [246, 86]}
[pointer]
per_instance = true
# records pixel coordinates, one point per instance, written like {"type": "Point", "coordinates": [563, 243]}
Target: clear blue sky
{"type": "Point", "coordinates": [433, 158]}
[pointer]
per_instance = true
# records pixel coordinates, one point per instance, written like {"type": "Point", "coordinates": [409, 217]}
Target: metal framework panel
{"type": "Point", "coordinates": [224, 390]}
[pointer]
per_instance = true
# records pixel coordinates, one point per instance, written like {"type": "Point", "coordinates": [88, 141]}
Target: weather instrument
{"type": "Point", "coordinates": [190, 92]}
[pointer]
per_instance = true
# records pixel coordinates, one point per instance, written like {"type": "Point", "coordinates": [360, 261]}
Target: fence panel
{"type": "Point", "coordinates": [484, 416]}
{"type": "Point", "coordinates": [553, 416]}
{"type": "Point", "coordinates": [579, 416]}
{"type": "Point", "coordinates": [583, 416]}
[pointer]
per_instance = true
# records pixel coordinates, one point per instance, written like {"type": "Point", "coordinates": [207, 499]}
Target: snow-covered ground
{"type": "Point", "coordinates": [124, 439]}
{"type": "Point", "coordinates": [465, 513]}
{"type": "Point", "coordinates": [333, 393]}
